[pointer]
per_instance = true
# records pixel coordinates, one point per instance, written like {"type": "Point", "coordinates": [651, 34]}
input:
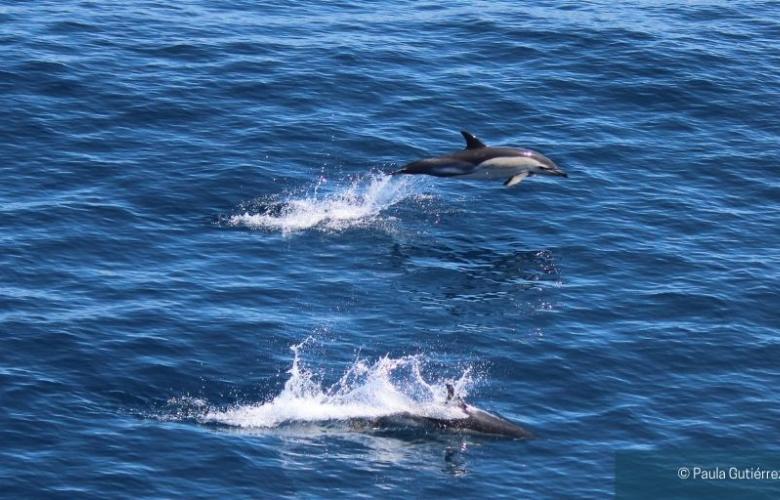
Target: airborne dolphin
{"type": "Point", "coordinates": [479, 161]}
{"type": "Point", "coordinates": [475, 421]}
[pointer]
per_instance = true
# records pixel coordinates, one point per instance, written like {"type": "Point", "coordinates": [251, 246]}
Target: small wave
{"type": "Point", "coordinates": [359, 204]}
{"type": "Point", "coordinates": [366, 390]}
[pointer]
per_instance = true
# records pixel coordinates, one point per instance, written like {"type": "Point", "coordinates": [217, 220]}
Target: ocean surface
{"type": "Point", "coordinates": [207, 276]}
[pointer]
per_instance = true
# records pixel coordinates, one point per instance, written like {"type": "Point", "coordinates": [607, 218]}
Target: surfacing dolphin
{"type": "Point", "coordinates": [479, 161]}
{"type": "Point", "coordinates": [476, 421]}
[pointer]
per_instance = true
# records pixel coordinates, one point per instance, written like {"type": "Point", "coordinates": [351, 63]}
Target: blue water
{"type": "Point", "coordinates": [205, 272]}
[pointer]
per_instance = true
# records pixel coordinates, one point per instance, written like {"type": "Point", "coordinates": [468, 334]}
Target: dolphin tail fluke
{"type": "Point", "coordinates": [410, 168]}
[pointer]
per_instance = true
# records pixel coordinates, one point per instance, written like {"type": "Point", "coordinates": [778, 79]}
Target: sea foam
{"type": "Point", "coordinates": [367, 389]}
{"type": "Point", "coordinates": [361, 202]}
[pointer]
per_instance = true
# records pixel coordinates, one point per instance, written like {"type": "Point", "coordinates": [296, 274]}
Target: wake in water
{"type": "Point", "coordinates": [366, 390]}
{"type": "Point", "coordinates": [359, 204]}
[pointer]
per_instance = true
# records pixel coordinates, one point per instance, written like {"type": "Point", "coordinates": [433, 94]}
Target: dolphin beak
{"type": "Point", "coordinates": [552, 168]}
{"type": "Point", "coordinates": [556, 170]}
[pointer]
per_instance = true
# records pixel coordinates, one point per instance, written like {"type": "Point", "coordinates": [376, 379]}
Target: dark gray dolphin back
{"type": "Point", "coordinates": [465, 161]}
{"type": "Point", "coordinates": [444, 166]}
{"type": "Point", "coordinates": [482, 421]}
{"type": "Point", "coordinates": [461, 162]}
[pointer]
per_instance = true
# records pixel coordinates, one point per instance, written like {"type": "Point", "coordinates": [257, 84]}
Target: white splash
{"type": "Point", "coordinates": [359, 204]}
{"type": "Point", "coordinates": [366, 390]}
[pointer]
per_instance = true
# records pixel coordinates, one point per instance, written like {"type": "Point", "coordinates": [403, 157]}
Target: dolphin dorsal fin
{"type": "Point", "coordinates": [471, 141]}
{"type": "Point", "coordinates": [453, 398]}
{"type": "Point", "coordinates": [450, 392]}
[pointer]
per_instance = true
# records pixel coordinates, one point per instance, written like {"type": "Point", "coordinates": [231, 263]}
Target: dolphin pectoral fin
{"type": "Point", "coordinates": [515, 179]}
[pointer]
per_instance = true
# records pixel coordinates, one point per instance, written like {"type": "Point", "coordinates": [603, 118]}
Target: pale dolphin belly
{"type": "Point", "coordinates": [500, 168]}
